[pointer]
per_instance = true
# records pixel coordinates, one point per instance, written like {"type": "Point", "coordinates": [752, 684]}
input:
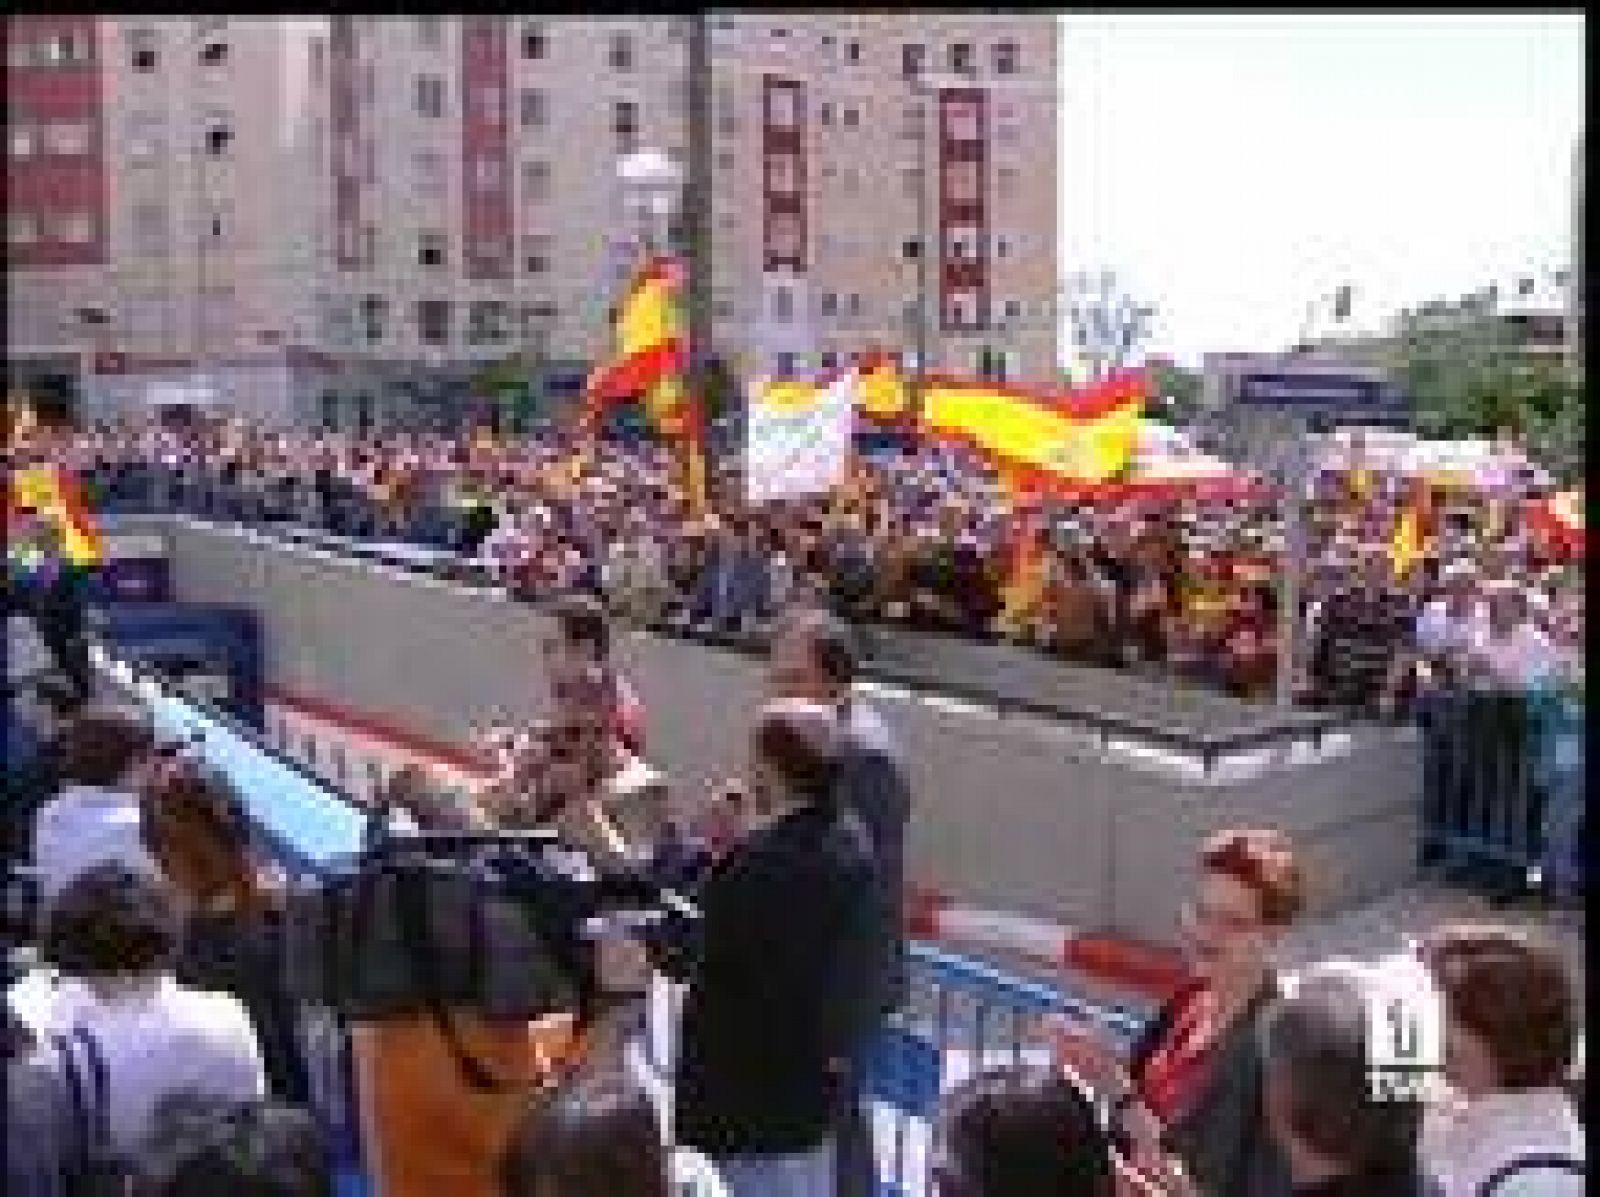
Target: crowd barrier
{"type": "Point", "coordinates": [1504, 785]}
{"type": "Point", "coordinates": [962, 1015]}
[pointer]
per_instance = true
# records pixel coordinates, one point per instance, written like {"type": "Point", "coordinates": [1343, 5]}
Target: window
{"type": "Point", "coordinates": [536, 180]}
{"type": "Point", "coordinates": [487, 322]}
{"type": "Point", "coordinates": [143, 137]}
{"type": "Point", "coordinates": [430, 96]}
{"type": "Point", "coordinates": [24, 140]}
{"type": "Point", "coordinates": [962, 310]}
{"type": "Point", "coordinates": [1002, 246]}
{"type": "Point", "coordinates": [783, 305]}
{"type": "Point", "coordinates": [1007, 58]}
{"type": "Point", "coordinates": [785, 234]}
{"type": "Point", "coordinates": [68, 138]}
{"type": "Point", "coordinates": [148, 223]}
{"type": "Point", "coordinates": [853, 304]}
{"type": "Point", "coordinates": [430, 32]}
{"type": "Point", "coordinates": [369, 244]}
{"type": "Point", "coordinates": [533, 109]}
{"type": "Point", "coordinates": [783, 108]}
{"type": "Point", "coordinates": [830, 360]}
{"type": "Point", "coordinates": [488, 174]}
{"type": "Point", "coordinates": [961, 182]}
{"type": "Point", "coordinates": [214, 53]}
{"type": "Point", "coordinates": [913, 57]}
{"type": "Point", "coordinates": [783, 173]}
{"type": "Point", "coordinates": [852, 117]}
{"type": "Point", "coordinates": [488, 103]}
{"type": "Point", "coordinates": [1012, 309]}
{"type": "Point", "coordinates": [787, 365]}
{"type": "Point", "coordinates": [964, 244]}
{"type": "Point", "coordinates": [625, 118]}
{"type": "Point", "coordinates": [963, 118]}
{"type": "Point", "coordinates": [911, 249]}
{"type": "Point", "coordinates": [213, 225]}
{"type": "Point", "coordinates": [433, 321]}
{"type": "Point", "coordinates": [429, 168]}
{"type": "Point", "coordinates": [22, 228]}
{"type": "Point", "coordinates": [962, 60]}
{"type": "Point", "coordinates": [533, 43]}
{"type": "Point", "coordinates": [74, 228]}
{"type": "Point", "coordinates": [830, 304]}
{"type": "Point", "coordinates": [825, 114]}
{"type": "Point", "coordinates": [536, 253]}
{"type": "Point", "coordinates": [780, 39]}
{"type": "Point", "coordinates": [63, 49]}
{"type": "Point", "coordinates": [432, 247]}
{"type": "Point", "coordinates": [142, 50]}
{"type": "Point", "coordinates": [374, 314]}
{"type": "Point", "coordinates": [1006, 180]}
{"type": "Point", "coordinates": [620, 52]}
{"type": "Point", "coordinates": [219, 136]}
{"type": "Point", "coordinates": [911, 180]}
{"type": "Point", "coordinates": [852, 51]}
{"type": "Point", "coordinates": [725, 160]}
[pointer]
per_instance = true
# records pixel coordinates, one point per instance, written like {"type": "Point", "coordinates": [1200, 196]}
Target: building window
{"type": "Point", "coordinates": [433, 321]}
{"type": "Point", "coordinates": [852, 51]}
{"type": "Point", "coordinates": [536, 253]}
{"type": "Point", "coordinates": [1005, 180]}
{"type": "Point", "coordinates": [219, 136]}
{"type": "Point", "coordinates": [536, 180]}
{"type": "Point", "coordinates": [962, 310]}
{"type": "Point", "coordinates": [825, 114]}
{"type": "Point", "coordinates": [911, 249]}
{"type": "Point", "coordinates": [1012, 309]}
{"type": "Point", "coordinates": [725, 160]}
{"type": "Point", "coordinates": [487, 322]}
{"type": "Point", "coordinates": [214, 53]}
{"type": "Point", "coordinates": [911, 180]}
{"type": "Point", "coordinates": [430, 96]}
{"type": "Point", "coordinates": [620, 53]}
{"type": "Point", "coordinates": [852, 117]}
{"type": "Point", "coordinates": [533, 42]}
{"type": "Point", "coordinates": [782, 305]}
{"type": "Point", "coordinates": [1007, 58]}
{"type": "Point", "coordinates": [783, 108]}
{"type": "Point", "coordinates": [62, 49]}
{"type": "Point", "coordinates": [488, 103]}
{"type": "Point", "coordinates": [830, 360]}
{"type": "Point", "coordinates": [22, 228]}
{"type": "Point", "coordinates": [142, 50]}
{"type": "Point", "coordinates": [913, 57]}
{"type": "Point", "coordinates": [961, 182]}
{"type": "Point", "coordinates": [74, 228]}
{"type": "Point", "coordinates": [830, 304]}
{"type": "Point", "coordinates": [148, 222]}
{"type": "Point", "coordinates": [430, 32]}
{"type": "Point", "coordinates": [374, 314]}
{"type": "Point", "coordinates": [787, 365]}
{"type": "Point", "coordinates": [625, 122]}
{"type": "Point", "coordinates": [369, 244]}
{"type": "Point", "coordinates": [963, 61]}
{"type": "Point", "coordinates": [24, 140]}
{"type": "Point", "coordinates": [488, 174]}
{"type": "Point", "coordinates": [534, 111]}
{"type": "Point", "coordinates": [214, 226]}
{"type": "Point", "coordinates": [430, 171]}
{"type": "Point", "coordinates": [783, 174]}
{"type": "Point", "coordinates": [432, 248]}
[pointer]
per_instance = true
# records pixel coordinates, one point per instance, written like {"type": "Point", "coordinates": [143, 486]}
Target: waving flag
{"type": "Point", "coordinates": [1081, 437]}
{"type": "Point", "coordinates": [55, 496]}
{"type": "Point", "coordinates": [1413, 531]}
{"type": "Point", "coordinates": [881, 391]}
{"type": "Point", "coordinates": [1558, 521]}
{"type": "Point", "coordinates": [798, 438]}
{"type": "Point", "coordinates": [650, 341]}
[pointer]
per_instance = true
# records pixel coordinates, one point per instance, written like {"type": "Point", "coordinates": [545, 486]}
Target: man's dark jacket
{"type": "Point", "coordinates": [873, 784]}
{"type": "Point", "coordinates": [782, 989]}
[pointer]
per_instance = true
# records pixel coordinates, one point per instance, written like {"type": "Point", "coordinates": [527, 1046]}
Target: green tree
{"type": "Point", "coordinates": [1175, 392]}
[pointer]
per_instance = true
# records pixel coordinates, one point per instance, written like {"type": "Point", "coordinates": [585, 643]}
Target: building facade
{"type": "Point", "coordinates": [1577, 281]}
{"type": "Point", "coordinates": [347, 218]}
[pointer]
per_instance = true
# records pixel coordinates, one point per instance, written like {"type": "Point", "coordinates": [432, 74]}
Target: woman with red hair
{"type": "Point", "coordinates": [1191, 1088]}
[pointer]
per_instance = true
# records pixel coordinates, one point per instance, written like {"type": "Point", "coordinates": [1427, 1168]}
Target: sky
{"type": "Point", "coordinates": [1232, 168]}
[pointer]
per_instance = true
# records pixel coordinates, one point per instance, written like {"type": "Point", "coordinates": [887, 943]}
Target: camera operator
{"type": "Point", "coordinates": [781, 973]}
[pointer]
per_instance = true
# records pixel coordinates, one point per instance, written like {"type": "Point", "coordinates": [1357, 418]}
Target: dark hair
{"type": "Point", "coordinates": [801, 743]}
{"type": "Point", "coordinates": [1022, 1131]}
{"type": "Point", "coordinates": [1514, 994]}
{"type": "Point", "coordinates": [258, 1149]}
{"type": "Point", "coordinates": [1264, 862]}
{"type": "Point", "coordinates": [581, 619]}
{"type": "Point", "coordinates": [111, 921]}
{"type": "Point", "coordinates": [1318, 1066]}
{"type": "Point", "coordinates": [191, 823]}
{"type": "Point", "coordinates": [830, 641]}
{"type": "Point", "coordinates": [598, 1134]}
{"type": "Point", "coordinates": [97, 748]}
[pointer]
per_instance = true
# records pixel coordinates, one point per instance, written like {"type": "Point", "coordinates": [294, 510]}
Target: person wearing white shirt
{"type": "Point", "coordinates": [103, 758]}
{"type": "Point", "coordinates": [1449, 623]}
{"type": "Point", "coordinates": [110, 938]}
{"type": "Point", "coordinates": [1509, 649]}
{"type": "Point", "coordinates": [1509, 1128]}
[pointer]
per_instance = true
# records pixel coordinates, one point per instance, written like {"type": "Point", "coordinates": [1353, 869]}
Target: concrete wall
{"type": "Point", "coordinates": [1013, 812]}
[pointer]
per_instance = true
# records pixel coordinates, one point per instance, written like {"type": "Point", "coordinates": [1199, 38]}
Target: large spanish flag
{"type": "Point", "coordinates": [650, 340]}
{"type": "Point", "coordinates": [53, 493]}
{"type": "Point", "coordinates": [1051, 441]}
{"type": "Point", "coordinates": [881, 391]}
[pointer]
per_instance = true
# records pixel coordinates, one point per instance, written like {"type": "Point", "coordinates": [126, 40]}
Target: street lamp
{"type": "Point", "coordinates": [652, 188]}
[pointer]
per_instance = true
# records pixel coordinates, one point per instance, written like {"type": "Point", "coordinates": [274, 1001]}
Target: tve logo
{"type": "Point", "coordinates": [1405, 1041]}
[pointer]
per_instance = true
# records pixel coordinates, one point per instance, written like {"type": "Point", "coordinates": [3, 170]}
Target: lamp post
{"type": "Point", "coordinates": [652, 189]}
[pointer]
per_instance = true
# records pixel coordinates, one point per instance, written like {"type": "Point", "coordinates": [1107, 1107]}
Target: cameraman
{"type": "Point", "coordinates": [782, 983]}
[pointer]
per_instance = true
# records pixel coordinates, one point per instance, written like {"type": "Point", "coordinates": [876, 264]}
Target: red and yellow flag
{"type": "Point", "coordinates": [1413, 531]}
{"type": "Point", "coordinates": [881, 391]}
{"type": "Point", "coordinates": [650, 341]}
{"type": "Point", "coordinates": [1082, 437]}
{"type": "Point", "coordinates": [55, 494]}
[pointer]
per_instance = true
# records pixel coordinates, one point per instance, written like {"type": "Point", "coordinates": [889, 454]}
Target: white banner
{"type": "Point", "coordinates": [798, 443]}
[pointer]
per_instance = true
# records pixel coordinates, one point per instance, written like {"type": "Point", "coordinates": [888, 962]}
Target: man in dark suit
{"type": "Point", "coordinates": [781, 982]}
{"type": "Point", "coordinates": [733, 589]}
{"type": "Point", "coordinates": [813, 658]}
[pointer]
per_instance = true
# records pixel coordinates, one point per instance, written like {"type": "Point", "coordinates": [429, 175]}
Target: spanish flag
{"type": "Point", "coordinates": [1086, 437]}
{"type": "Point", "coordinates": [881, 392]}
{"type": "Point", "coordinates": [650, 340]}
{"type": "Point", "coordinates": [54, 494]}
{"type": "Point", "coordinates": [1412, 531]}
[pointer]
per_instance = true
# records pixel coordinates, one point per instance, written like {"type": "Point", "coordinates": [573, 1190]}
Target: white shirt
{"type": "Point", "coordinates": [1441, 632]}
{"type": "Point", "coordinates": [1519, 659]}
{"type": "Point", "coordinates": [84, 826]}
{"type": "Point", "coordinates": [155, 1042]}
{"type": "Point", "coordinates": [1465, 1142]}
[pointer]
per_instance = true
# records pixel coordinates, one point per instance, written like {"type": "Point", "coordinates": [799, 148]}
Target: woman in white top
{"type": "Point", "coordinates": [110, 938]}
{"type": "Point", "coordinates": [1509, 1128]}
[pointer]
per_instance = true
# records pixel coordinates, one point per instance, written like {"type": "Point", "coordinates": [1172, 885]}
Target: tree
{"type": "Point", "coordinates": [1175, 392]}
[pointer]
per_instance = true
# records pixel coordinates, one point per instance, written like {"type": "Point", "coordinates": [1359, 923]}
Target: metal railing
{"type": "Point", "coordinates": [963, 1014]}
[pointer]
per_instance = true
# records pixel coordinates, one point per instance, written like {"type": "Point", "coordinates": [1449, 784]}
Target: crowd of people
{"type": "Point", "coordinates": [152, 1047]}
{"type": "Point", "coordinates": [922, 537]}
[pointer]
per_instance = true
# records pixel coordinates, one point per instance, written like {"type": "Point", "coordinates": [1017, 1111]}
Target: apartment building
{"type": "Point", "coordinates": [395, 202]}
{"type": "Point", "coordinates": [1577, 280]}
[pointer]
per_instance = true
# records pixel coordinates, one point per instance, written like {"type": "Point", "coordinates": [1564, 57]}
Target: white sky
{"type": "Point", "coordinates": [1231, 168]}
